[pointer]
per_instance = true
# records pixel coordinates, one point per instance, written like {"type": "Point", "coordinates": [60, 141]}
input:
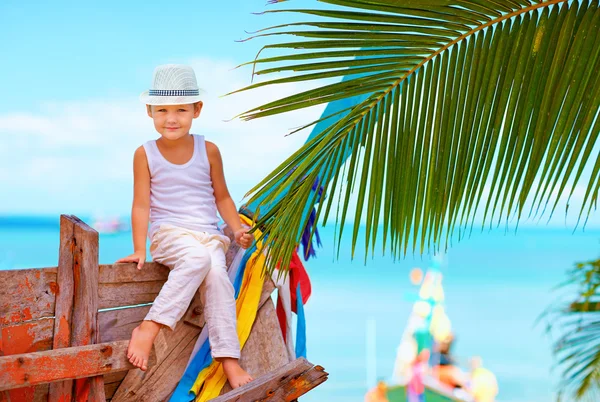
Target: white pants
{"type": "Point", "coordinates": [196, 260]}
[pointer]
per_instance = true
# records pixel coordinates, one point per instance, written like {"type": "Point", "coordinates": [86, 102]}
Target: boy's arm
{"type": "Point", "coordinates": [140, 210]}
{"type": "Point", "coordinates": [223, 199]}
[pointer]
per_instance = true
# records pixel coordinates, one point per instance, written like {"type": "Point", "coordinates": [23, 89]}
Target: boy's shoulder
{"type": "Point", "coordinates": [140, 153]}
{"type": "Point", "coordinates": [211, 147]}
{"type": "Point", "coordinates": [140, 150]}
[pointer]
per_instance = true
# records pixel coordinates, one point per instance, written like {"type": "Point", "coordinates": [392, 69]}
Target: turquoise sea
{"type": "Point", "coordinates": [497, 283]}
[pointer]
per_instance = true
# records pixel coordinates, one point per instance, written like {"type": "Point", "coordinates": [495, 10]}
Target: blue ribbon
{"type": "Point", "coordinates": [300, 326]}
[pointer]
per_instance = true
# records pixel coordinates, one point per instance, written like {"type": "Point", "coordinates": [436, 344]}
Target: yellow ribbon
{"type": "Point", "coordinates": [211, 380]}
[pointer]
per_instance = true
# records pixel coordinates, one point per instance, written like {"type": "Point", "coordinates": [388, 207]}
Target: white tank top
{"type": "Point", "coordinates": [182, 195]}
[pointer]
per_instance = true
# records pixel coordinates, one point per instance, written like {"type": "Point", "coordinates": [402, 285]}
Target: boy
{"type": "Point", "coordinates": [179, 186]}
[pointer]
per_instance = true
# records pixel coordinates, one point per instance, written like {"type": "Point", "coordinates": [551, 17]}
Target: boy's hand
{"type": "Point", "coordinates": [138, 256]}
{"type": "Point", "coordinates": [243, 239]}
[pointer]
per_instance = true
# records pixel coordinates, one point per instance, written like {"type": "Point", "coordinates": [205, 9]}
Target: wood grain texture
{"type": "Point", "coordinates": [117, 325]}
{"type": "Point", "coordinates": [39, 393]}
{"type": "Point", "coordinates": [125, 294]}
{"type": "Point", "coordinates": [265, 349]}
{"type": "Point", "coordinates": [77, 304]}
{"type": "Point", "coordinates": [112, 382]}
{"type": "Point", "coordinates": [26, 337]}
{"type": "Point", "coordinates": [128, 272]}
{"type": "Point", "coordinates": [64, 302]}
{"type": "Point", "coordinates": [85, 306]}
{"type": "Point", "coordinates": [27, 294]}
{"type": "Point", "coordinates": [67, 363]}
{"type": "Point", "coordinates": [298, 386]}
{"type": "Point", "coordinates": [284, 384]}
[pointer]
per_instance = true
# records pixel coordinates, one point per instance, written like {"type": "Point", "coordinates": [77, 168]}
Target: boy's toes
{"type": "Point", "coordinates": [144, 365]}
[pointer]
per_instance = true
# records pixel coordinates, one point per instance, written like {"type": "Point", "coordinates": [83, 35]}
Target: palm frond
{"type": "Point", "coordinates": [577, 320]}
{"type": "Point", "coordinates": [484, 105]}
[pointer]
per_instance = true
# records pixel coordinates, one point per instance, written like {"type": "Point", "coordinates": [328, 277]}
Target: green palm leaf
{"type": "Point", "coordinates": [577, 321]}
{"type": "Point", "coordinates": [484, 105]}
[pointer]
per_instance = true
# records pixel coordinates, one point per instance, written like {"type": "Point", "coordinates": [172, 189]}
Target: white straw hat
{"type": "Point", "coordinates": [173, 84]}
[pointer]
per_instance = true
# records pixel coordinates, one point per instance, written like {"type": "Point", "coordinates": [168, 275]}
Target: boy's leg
{"type": "Point", "coordinates": [220, 313]}
{"type": "Point", "coordinates": [189, 261]}
{"type": "Point", "coordinates": [219, 308]}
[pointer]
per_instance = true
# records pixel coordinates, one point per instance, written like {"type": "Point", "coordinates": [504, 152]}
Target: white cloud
{"type": "Point", "coordinates": [64, 152]}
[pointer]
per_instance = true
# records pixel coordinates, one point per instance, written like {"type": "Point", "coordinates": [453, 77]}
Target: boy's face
{"type": "Point", "coordinates": [174, 121]}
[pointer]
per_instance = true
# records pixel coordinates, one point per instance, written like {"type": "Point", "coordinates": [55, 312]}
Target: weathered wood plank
{"type": "Point", "coordinates": [77, 304]}
{"type": "Point", "coordinates": [64, 302]}
{"type": "Point", "coordinates": [85, 305]}
{"type": "Point", "coordinates": [110, 389]}
{"type": "Point", "coordinates": [128, 294]}
{"type": "Point", "coordinates": [298, 386]}
{"type": "Point", "coordinates": [267, 290]}
{"type": "Point", "coordinates": [117, 325]}
{"type": "Point", "coordinates": [287, 383]}
{"type": "Point", "coordinates": [112, 382]}
{"type": "Point", "coordinates": [265, 348]}
{"type": "Point", "coordinates": [66, 363]}
{"type": "Point", "coordinates": [39, 393]}
{"type": "Point", "coordinates": [27, 294]}
{"type": "Point", "coordinates": [117, 376]}
{"type": "Point", "coordinates": [173, 349]}
{"type": "Point", "coordinates": [128, 272]}
{"type": "Point", "coordinates": [26, 337]}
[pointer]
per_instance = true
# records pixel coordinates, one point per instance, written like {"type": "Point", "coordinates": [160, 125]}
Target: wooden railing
{"type": "Point", "coordinates": [64, 332]}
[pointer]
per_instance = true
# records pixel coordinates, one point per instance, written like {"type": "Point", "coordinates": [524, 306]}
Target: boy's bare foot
{"type": "Point", "coordinates": [236, 375]}
{"type": "Point", "coordinates": [140, 345]}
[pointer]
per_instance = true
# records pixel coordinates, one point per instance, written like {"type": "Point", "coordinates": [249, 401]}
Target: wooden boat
{"type": "Point", "coordinates": [426, 322]}
{"type": "Point", "coordinates": [64, 332]}
{"type": "Point", "coordinates": [433, 393]}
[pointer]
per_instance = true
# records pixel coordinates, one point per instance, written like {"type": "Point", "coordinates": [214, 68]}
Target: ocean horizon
{"type": "Point", "coordinates": [497, 284]}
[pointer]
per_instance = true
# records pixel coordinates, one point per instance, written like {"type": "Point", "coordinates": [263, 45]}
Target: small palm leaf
{"type": "Point", "coordinates": [479, 105]}
{"type": "Point", "coordinates": [578, 322]}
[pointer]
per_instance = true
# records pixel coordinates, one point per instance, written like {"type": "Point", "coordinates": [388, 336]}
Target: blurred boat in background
{"type": "Point", "coordinates": [111, 225]}
{"type": "Point", "coordinates": [424, 370]}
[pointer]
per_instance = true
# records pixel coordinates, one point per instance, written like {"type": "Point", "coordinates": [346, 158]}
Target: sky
{"type": "Point", "coordinates": [75, 71]}
{"type": "Point", "coordinates": [71, 75]}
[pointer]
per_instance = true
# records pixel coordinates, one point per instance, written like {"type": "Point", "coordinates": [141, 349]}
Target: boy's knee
{"type": "Point", "coordinates": [197, 260]}
{"type": "Point", "coordinates": [216, 275]}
